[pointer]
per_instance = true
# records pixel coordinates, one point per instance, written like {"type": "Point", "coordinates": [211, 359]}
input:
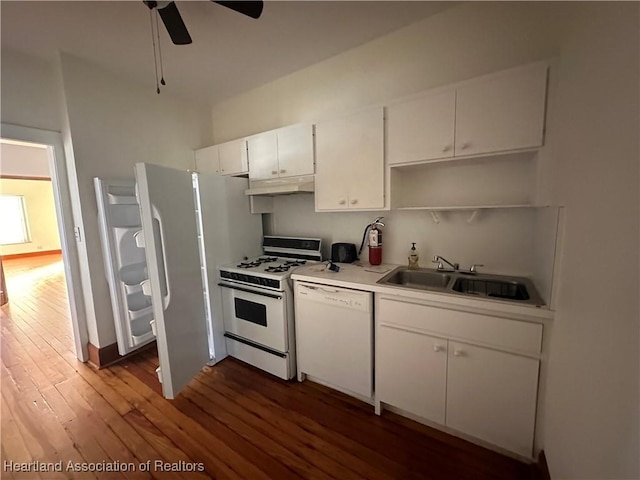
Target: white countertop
{"type": "Point", "coordinates": [365, 277]}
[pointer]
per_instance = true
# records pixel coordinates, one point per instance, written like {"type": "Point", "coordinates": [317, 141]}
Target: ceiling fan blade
{"type": "Point", "coordinates": [175, 26]}
{"type": "Point", "coordinates": [250, 9]}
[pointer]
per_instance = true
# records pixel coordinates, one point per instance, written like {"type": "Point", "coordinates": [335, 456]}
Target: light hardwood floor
{"type": "Point", "coordinates": [237, 421]}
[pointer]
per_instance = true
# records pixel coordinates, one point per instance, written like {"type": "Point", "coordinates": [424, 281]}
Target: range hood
{"type": "Point", "coordinates": [281, 186]}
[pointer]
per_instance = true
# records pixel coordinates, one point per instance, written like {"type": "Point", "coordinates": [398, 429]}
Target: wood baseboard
{"type": "Point", "coordinates": [30, 254]}
{"type": "Point", "coordinates": [101, 357]}
{"type": "Point", "coordinates": [542, 469]}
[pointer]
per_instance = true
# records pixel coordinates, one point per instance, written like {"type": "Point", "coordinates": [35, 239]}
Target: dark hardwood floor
{"type": "Point", "coordinates": [235, 420]}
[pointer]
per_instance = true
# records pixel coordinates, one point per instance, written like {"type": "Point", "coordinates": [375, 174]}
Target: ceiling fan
{"type": "Point", "coordinates": [177, 29]}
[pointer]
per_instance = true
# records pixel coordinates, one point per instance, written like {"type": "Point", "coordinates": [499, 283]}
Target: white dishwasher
{"type": "Point", "coordinates": [334, 337]}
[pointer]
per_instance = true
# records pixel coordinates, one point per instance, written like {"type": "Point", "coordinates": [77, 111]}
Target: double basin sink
{"type": "Point", "coordinates": [494, 287]}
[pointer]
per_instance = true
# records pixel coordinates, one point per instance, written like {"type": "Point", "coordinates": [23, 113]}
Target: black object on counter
{"type": "Point", "coordinates": [343, 253]}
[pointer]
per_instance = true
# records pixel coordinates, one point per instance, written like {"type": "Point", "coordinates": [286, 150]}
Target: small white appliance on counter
{"type": "Point", "coordinates": [258, 304]}
{"type": "Point", "coordinates": [334, 335]}
{"type": "Point", "coordinates": [163, 238]}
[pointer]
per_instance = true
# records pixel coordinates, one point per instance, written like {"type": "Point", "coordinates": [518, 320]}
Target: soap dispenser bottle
{"type": "Point", "coordinates": [414, 257]}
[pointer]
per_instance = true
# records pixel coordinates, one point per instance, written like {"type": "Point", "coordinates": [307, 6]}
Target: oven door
{"type": "Point", "coordinates": [259, 316]}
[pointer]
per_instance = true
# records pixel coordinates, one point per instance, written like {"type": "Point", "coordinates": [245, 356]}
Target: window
{"type": "Point", "coordinates": [13, 220]}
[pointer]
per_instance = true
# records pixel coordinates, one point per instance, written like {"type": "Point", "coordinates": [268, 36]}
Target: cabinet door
{"type": "Point", "coordinates": [207, 160]}
{"type": "Point", "coordinates": [411, 372]}
{"type": "Point", "coordinates": [332, 166]}
{"type": "Point", "coordinates": [233, 157]}
{"type": "Point", "coordinates": [492, 396]}
{"type": "Point", "coordinates": [366, 157]}
{"type": "Point", "coordinates": [421, 129]}
{"type": "Point", "coordinates": [350, 162]}
{"type": "Point", "coordinates": [295, 151]}
{"type": "Point", "coordinates": [263, 156]}
{"type": "Point", "coordinates": [504, 112]}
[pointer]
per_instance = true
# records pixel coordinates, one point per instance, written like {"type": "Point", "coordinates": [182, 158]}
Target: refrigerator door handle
{"type": "Point", "coordinates": [156, 216]}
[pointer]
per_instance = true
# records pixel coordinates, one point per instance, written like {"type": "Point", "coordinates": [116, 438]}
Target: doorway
{"type": "Point", "coordinates": [51, 280]}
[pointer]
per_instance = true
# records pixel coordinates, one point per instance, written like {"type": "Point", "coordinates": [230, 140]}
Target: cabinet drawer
{"type": "Point", "coordinates": [514, 335]}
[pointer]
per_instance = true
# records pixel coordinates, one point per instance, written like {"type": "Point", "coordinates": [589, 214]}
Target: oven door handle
{"type": "Point", "coordinates": [263, 294]}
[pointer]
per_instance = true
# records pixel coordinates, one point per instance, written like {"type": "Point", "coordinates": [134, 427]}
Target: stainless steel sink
{"type": "Point", "coordinates": [508, 290]}
{"type": "Point", "coordinates": [495, 287]}
{"type": "Point", "coordinates": [423, 279]}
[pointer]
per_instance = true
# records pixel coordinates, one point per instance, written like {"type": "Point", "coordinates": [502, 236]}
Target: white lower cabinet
{"type": "Point", "coordinates": [484, 391]}
{"type": "Point", "coordinates": [423, 358]}
{"type": "Point", "coordinates": [492, 395]}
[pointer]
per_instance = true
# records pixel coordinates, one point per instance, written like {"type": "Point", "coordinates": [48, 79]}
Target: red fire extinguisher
{"type": "Point", "coordinates": [375, 241]}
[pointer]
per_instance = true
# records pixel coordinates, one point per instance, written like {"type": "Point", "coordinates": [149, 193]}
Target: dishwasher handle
{"type": "Point", "coordinates": [338, 297]}
{"type": "Point", "coordinates": [319, 288]}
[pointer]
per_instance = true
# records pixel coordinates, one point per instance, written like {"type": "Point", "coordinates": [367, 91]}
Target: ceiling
{"type": "Point", "coordinates": [230, 53]}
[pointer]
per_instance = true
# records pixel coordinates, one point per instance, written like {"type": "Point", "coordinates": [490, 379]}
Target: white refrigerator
{"type": "Point", "coordinates": [163, 238]}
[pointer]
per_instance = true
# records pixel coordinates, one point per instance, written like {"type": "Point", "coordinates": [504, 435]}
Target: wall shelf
{"type": "Point", "coordinates": [467, 207]}
{"type": "Point", "coordinates": [491, 182]}
{"type": "Point", "coordinates": [473, 209]}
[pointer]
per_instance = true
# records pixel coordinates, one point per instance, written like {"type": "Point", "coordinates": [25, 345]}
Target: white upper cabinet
{"type": "Point", "coordinates": [295, 150]}
{"type": "Point", "coordinates": [262, 150]}
{"type": "Point", "coordinates": [350, 162]}
{"type": "Point", "coordinates": [502, 112]}
{"type": "Point", "coordinates": [233, 157]}
{"type": "Point", "coordinates": [285, 152]}
{"type": "Point", "coordinates": [229, 158]}
{"type": "Point", "coordinates": [422, 128]}
{"type": "Point", "coordinates": [207, 160]}
{"type": "Point", "coordinates": [498, 113]}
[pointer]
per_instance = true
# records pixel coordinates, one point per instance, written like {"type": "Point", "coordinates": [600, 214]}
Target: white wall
{"type": "Point", "coordinates": [591, 429]}
{"type": "Point", "coordinates": [592, 400]}
{"type": "Point", "coordinates": [29, 92]}
{"type": "Point", "coordinates": [460, 43]}
{"type": "Point", "coordinates": [41, 215]}
{"type": "Point", "coordinates": [110, 125]}
{"type": "Point", "coordinates": [453, 238]}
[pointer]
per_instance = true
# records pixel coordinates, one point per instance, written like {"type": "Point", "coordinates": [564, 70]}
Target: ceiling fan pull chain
{"type": "Point", "coordinates": [153, 42]}
{"type": "Point", "coordinates": [162, 82]}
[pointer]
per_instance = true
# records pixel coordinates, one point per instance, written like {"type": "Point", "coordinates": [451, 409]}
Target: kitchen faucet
{"type": "Point", "coordinates": [438, 259]}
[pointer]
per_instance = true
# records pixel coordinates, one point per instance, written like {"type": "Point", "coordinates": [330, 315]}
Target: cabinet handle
{"type": "Point", "coordinates": [274, 172]}
{"type": "Point", "coordinates": [465, 145]}
{"type": "Point", "coordinates": [283, 171]}
{"type": "Point", "coordinates": [446, 148]}
{"type": "Point", "coordinates": [438, 348]}
{"type": "Point", "coordinates": [459, 353]}
{"type": "Point", "coordinates": [342, 202]}
{"type": "Point", "coordinates": [354, 201]}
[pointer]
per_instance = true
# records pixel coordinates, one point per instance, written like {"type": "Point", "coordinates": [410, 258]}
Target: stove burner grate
{"type": "Point", "coordinates": [248, 264]}
{"type": "Point", "coordinates": [294, 263]}
{"type": "Point", "coordinates": [277, 269]}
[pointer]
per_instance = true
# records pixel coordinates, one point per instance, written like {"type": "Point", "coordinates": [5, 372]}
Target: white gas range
{"type": "Point", "coordinates": [258, 303]}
